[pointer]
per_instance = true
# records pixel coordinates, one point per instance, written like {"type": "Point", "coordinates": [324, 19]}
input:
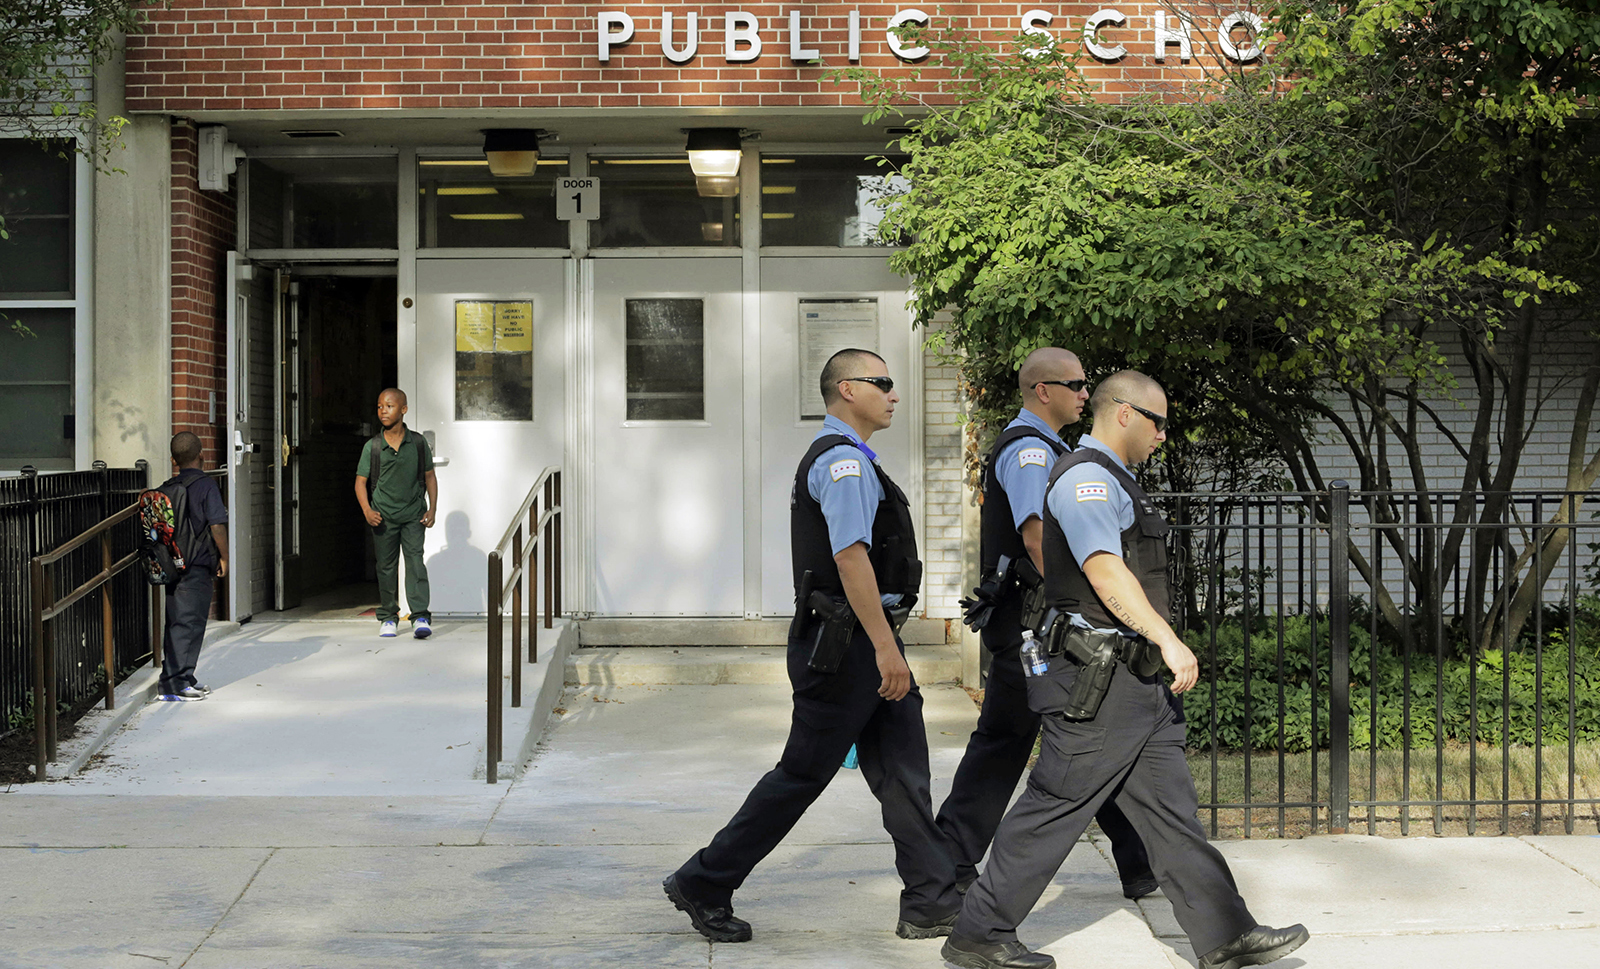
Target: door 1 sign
{"type": "Point", "coordinates": [577, 198]}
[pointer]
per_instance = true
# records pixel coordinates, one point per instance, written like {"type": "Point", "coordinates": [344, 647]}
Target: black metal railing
{"type": "Point", "coordinates": [536, 526]}
{"type": "Point", "coordinates": [1381, 659]}
{"type": "Point", "coordinates": [39, 513]}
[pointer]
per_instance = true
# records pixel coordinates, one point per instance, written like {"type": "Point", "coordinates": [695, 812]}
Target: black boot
{"type": "Point", "coordinates": [982, 955]}
{"type": "Point", "coordinates": [1260, 945]}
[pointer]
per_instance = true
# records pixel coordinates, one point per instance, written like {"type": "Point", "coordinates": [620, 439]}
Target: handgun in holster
{"type": "Point", "coordinates": [1031, 585]}
{"type": "Point", "coordinates": [801, 623]}
{"type": "Point", "coordinates": [838, 627]}
{"type": "Point", "coordinates": [1096, 655]}
{"type": "Point", "coordinates": [979, 609]}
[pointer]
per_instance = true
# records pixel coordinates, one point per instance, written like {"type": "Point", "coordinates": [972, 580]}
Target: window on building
{"type": "Point", "coordinates": [324, 202]}
{"type": "Point", "coordinates": [825, 200]}
{"type": "Point", "coordinates": [36, 201]}
{"type": "Point", "coordinates": [646, 202]}
{"type": "Point", "coordinates": [666, 375]}
{"type": "Point", "coordinates": [462, 206]}
{"type": "Point", "coordinates": [36, 400]}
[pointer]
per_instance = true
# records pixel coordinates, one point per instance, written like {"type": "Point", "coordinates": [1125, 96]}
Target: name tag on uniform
{"type": "Point", "coordinates": [1093, 491]}
{"type": "Point", "coordinates": [845, 469]}
{"type": "Point", "coordinates": [1030, 455]}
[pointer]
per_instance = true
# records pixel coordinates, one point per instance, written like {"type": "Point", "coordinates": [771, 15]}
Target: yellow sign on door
{"type": "Point", "coordinates": [513, 327]}
{"type": "Point", "coordinates": [475, 326]}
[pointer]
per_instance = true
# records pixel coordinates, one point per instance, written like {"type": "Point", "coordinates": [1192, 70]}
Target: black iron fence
{"type": "Point", "coordinates": [1382, 660]}
{"type": "Point", "coordinates": [38, 513]}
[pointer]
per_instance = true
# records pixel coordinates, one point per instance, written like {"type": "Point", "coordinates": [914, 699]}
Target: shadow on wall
{"type": "Point", "coordinates": [458, 574]}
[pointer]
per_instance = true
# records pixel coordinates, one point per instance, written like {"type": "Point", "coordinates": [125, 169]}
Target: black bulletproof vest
{"type": "Point", "coordinates": [997, 525]}
{"type": "Point", "coordinates": [1144, 550]}
{"type": "Point", "coordinates": [894, 542]}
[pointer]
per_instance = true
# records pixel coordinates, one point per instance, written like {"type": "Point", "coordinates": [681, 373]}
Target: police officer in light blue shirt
{"type": "Point", "coordinates": [854, 555]}
{"type": "Point", "coordinates": [1016, 477]}
{"type": "Point", "coordinates": [1106, 561]}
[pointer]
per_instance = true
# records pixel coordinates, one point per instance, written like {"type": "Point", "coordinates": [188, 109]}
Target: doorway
{"type": "Point", "coordinates": [337, 343]}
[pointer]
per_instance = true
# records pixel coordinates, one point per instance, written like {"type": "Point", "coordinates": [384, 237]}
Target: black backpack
{"type": "Point", "coordinates": [167, 539]}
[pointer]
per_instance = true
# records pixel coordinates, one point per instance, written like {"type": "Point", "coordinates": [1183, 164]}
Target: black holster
{"type": "Point", "coordinates": [1030, 584]}
{"type": "Point", "coordinates": [837, 627]}
{"type": "Point", "coordinates": [1096, 656]}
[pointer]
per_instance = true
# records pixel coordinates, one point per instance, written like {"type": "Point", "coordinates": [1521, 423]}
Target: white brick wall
{"type": "Point", "coordinates": [942, 490]}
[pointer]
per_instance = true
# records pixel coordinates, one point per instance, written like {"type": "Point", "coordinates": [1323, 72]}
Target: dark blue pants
{"type": "Point", "coordinates": [831, 712]}
{"type": "Point", "coordinates": [188, 605]}
{"type": "Point", "coordinates": [998, 753]}
{"type": "Point", "coordinates": [1131, 752]}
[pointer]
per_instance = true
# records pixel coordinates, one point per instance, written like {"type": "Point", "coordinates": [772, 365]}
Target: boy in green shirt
{"type": "Point", "coordinates": [398, 512]}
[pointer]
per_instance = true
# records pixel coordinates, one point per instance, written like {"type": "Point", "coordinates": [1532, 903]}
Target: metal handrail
{"type": "Point", "coordinates": [47, 606]}
{"type": "Point", "coordinates": [544, 531]}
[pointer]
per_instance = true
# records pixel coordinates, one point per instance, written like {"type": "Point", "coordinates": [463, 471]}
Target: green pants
{"type": "Point", "coordinates": [388, 541]}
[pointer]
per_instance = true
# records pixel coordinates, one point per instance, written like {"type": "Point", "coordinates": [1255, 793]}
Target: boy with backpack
{"type": "Point", "coordinates": [398, 493]}
{"type": "Point", "coordinates": [204, 544]}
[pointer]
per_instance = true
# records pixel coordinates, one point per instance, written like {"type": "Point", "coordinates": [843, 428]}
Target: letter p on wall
{"type": "Point", "coordinates": [609, 37]}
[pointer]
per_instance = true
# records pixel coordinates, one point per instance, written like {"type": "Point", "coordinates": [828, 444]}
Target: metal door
{"type": "Point", "coordinates": [792, 288]}
{"type": "Point", "coordinates": [288, 425]}
{"type": "Point", "coordinates": [239, 445]}
{"type": "Point", "coordinates": [667, 462]}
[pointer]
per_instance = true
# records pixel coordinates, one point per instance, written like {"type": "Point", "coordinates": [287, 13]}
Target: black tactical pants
{"type": "Point", "coordinates": [1131, 751]}
{"type": "Point", "coordinates": [831, 712]}
{"type": "Point", "coordinates": [996, 756]}
{"type": "Point", "coordinates": [188, 605]}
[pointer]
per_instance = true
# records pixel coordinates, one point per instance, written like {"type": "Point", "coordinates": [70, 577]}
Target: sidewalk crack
{"type": "Point", "coordinates": [229, 910]}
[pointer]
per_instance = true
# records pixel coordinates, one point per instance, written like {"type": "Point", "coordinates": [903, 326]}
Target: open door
{"type": "Point", "coordinates": [286, 468]}
{"type": "Point", "coordinates": [239, 444]}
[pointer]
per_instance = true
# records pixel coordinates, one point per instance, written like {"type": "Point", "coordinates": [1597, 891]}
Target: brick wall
{"type": "Point", "coordinates": [296, 55]}
{"type": "Point", "coordinates": [202, 234]}
{"type": "Point", "coordinates": [943, 487]}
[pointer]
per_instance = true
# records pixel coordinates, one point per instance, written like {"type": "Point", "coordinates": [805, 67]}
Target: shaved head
{"type": "Point", "coordinates": [397, 392]}
{"type": "Point", "coordinates": [1045, 363]}
{"type": "Point", "coordinates": [844, 364]}
{"type": "Point", "coordinates": [1130, 385]}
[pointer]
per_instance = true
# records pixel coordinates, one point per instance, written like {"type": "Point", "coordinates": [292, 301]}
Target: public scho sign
{"type": "Point", "coordinates": [577, 198]}
{"type": "Point", "coordinates": [1236, 34]}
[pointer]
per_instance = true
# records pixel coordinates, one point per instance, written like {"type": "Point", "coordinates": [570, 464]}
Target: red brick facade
{"type": "Point", "coordinates": [202, 233]}
{"type": "Point", "coordinates": [308, 55]}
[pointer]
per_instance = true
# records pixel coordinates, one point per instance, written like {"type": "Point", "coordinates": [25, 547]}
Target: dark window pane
{"type": "Point", "coordinates": [36, 195]}
{"type": "Point", "coordinates": [824, 200]}
{"type": "Point", "coordinates": [36, 402]}
{"type": "Point", "coordinates": [324, 202]}
{"type": "Point", "coordinates": [665, 359]}
{"type": "Point", "coordinates": [462, 206]}
{"type": "Point", "coordinates": [655, 202]}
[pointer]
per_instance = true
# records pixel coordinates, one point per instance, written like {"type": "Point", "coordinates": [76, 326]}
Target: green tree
{"type": "Point", "coordinates": [1281, 245]}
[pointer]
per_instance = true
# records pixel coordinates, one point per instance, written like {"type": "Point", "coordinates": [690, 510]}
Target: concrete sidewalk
{"type": "Point", "coordinates": [335, 850]}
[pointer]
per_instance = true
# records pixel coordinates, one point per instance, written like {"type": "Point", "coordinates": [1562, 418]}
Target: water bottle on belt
{"type": "Point", "coordinates": [1032, 655]}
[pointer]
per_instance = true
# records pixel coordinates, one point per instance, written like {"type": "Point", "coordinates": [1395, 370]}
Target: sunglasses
{"type": "Point", "coordinates": [884, 384]}
{"type": "Point", "coordinates": [1072, 385]}
{"type": "Point", "coordinates": [1159, 420]}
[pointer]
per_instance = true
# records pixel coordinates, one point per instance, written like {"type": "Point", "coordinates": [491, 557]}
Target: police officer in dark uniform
{"type": "Point", "coordinates": [1112, 730]}
{"type": "Point", "coordinates": [1015, 476]}
{"type": "Point", "coordinates": [856, 577]}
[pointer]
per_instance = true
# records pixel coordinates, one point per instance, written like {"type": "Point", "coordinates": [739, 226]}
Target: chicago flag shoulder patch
{"type": "Point", "coordinates": [1031, 455]}
{"type": "Point", "coordinates": [1093, 491]}
{"type": "Point", "coordinates": [845, 469]}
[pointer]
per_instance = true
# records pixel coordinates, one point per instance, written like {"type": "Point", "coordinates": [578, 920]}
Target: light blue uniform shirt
{"type": "Point", "coordinates": [846, 486]}
{"type": "Point", "coordinates": [1023, 468]}
{"type": "Point", "coordinates": [1093, 510]}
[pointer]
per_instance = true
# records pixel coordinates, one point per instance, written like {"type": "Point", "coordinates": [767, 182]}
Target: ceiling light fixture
{"type": "Point", "coordinates": [511, 151]}
{"type": "Point", "coordinates": [714, 156]}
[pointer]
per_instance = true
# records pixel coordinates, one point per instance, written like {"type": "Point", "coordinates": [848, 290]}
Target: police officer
{"type": "Point", "coordinates": [850, 530]}
{"type": "Point", "coordinates": [1105, 571]}
{"type": "Point", "coordinates": [1015, 475]}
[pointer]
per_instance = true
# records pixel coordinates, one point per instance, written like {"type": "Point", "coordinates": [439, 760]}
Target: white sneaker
{"type": "Point", "coordinates": [421, 628]}
{"type": "Point", "coordinates": [388, 629]}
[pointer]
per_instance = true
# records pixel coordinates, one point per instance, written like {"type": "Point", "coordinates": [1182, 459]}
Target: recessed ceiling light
{"type": "Point", "coordinates": [486, 216]}
{"type": "Point", "coordinates": [777, 189]}
{"type": "Point", "coordinates": [777, 215]}
{"type": "Point", "coordinates": [468, 190]}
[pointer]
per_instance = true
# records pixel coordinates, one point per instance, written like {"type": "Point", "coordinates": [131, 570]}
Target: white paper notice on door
{"type": "Point", "coordinates": [826, 327]}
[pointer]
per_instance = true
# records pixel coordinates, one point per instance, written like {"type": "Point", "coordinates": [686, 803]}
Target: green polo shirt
{"type": "Point", "coordinates": [401, 494]}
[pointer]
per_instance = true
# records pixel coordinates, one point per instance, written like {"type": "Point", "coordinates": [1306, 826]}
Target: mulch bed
{"type": "Point", "coordinates": [18, 753]}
